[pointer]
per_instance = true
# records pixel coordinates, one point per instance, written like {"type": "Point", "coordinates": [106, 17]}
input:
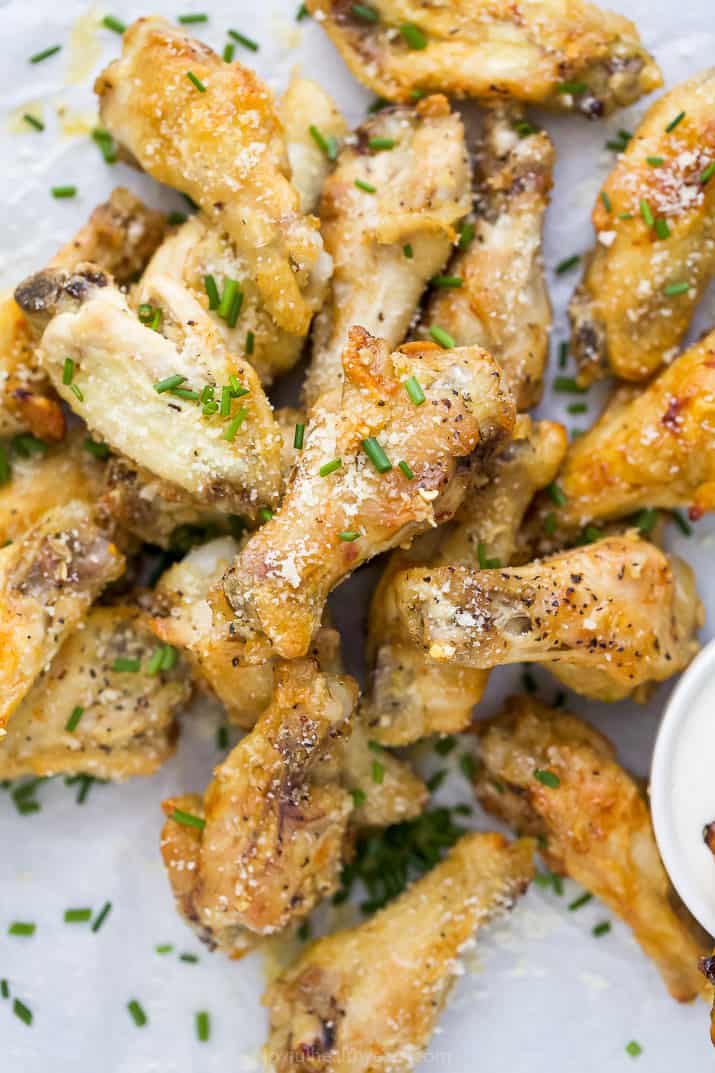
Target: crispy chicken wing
{"type": "Point", "coordinates": [374, 472]}
{"type": "Point", "coordinates": [502, 303]}
{"type": "Point", "coordinates": [655, 448]}
{"type": "Point", "coordinates": [565, 54]}
{"type": "Point", "coordinates": [655, 226]}
{"type": "Point", "coordinates": [27, 400]}
{"type": "Point", "coordinates": [367, 1000]}
{"type": "Point", "coordinates": [305, 108]}
{"type": "Point", "coordinates": [211, 129]}
{"type": "Point", "coordinates": [604, 619]}
{"type": "Point", "coordinates": [388, 215]}
{"type": "Point", "coordinates": [411, 694]}
{"type": "Point", "coordinates": [49, 577]}
{"type": "Point", "coordinates": [596, 822]}
{"type": "Point", "coordinates": [124, 384]}
{"type": "Point", "coordinates": [126, 724]}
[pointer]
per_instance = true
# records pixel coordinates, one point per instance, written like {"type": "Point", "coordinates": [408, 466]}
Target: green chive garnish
{"type": "Point", "coordinates": [556, 495]}
{"type": "Point", "coordinates": [211, 291]}
{"type": "Point", "coordinates": [377, 105]}
{"type": "Point", "coordinates": [447, 281]}
{"type": "Point", "coordinates": [247, 42]}
{"type": "Point", "coordinates": [435, 781]}
{"type": "Point", "coordinates": [129, 666]}
{"type": "Point", "coordinates": [164, 948]}
{"type": "Point", "coordinates": [367, 187]}
{"type": "Point", "coordinates": [106, 144]}
{"type": "Point", "coordinates": [485, 563]}
{"type": "Point", "coordinates": [77, 392]}
{"type": "Point", "coordinates": [601, 929]}
{"type": "Point", "coordinates": [235, 309]}
{"type": "Point", "coordinates": [377, 456]}
{"type": "Point", "coordinates": [661, 228]}
{"type": "Point", "coordinates": [378, 772]}
{"type": "Point", "coordinates": [655, 161]}
{"type": "Point", "coordinates": [674, 122]}
{"type": "Point", "coordinates": [33, 121]}
{"type": "Point", "coordinates": [468, 765]}
{"type": "Point", "coordinates": [101, 916]}
{"type": "Point", "coordinates": [414, 390]}
{"type": "Point", "coordinates": [547, 778]}
{"type": "Point", "coordinates": [574, 88]}
{"type": "Point", "coordinates": [364, 12]}
{"type": "Point", "coordinates": [523, 128]}
{"type": "Point", "coordinates": [466, 234]}
{"type": "Point", "coordinates": [301, 13]}
{"type": "Point", "coordinates": [229, 50]}
{"type": "Point", "coordinates": [685, 528]}
{"type": "Point", "coordinates": [176, 218]}
{"type": "Point", "coordinates": [445, 745]}
{"type": "Point", "coordinates": [299, 436]}
{"type": "Point", "coordinates": [196, 81]}
{"type": "Point", "coordinates": [226, 396]}
{"type": "Point", "coordinates": [359, 797]}
{"type": "Point", "coordinates": [406, 470]}
{"type": "Point", "coordinates": [606, 201]}
{"type": "Point", "coordinates": [235, 424]}
{"type": "Point", "coordinates": [63, 191]}
{"type": "Point", "coordinates": [222, 737]}
{"type": "Point", "coordinates": [381, 143]}
{"type": "Point", "coordinates": [577, 407]}
{"type": "Point", "coordinates": [203, 1026]}
{"type": "Point", "coordinates": [77, 916]}
{"type": "Point", "coordinates": [583, 899]}
{"type": "Point", "coordinates": [348, 535]}
{"type": "Point", "coordinates": [708, 173]}
{"type": "Point", "coordinates": [189, 959]}
{"type": "Point", "coordinates": [567, 385]}
{"type": "Point", "coordinates": [76, 715]}
{"type": "Point", "coordinates": [230, 290]}
{"type": "Point", "coordinates": [45, 54]}
{"type": "Point", "coordinates": [137, 1013]}
{"type": "Point", "coordinates": [187, 20]}
{"type": "Point", "coordinates": [67, 371]}
{"type": "Point", "coordinates": [645, 520]}
{"type": "Point", "coordinates": [22, 1011]}
{"type": "Point", "coordinates": [188, 819]}
{"type": "Point", "coordinates": [672, 289]}
{"type": "Point", "coordinates": [169, 384]}
{"type": "Point", "coordinates": [408, 251]}
{"type": "Point", "coordinates": [442, 337]}
{"type": "Point", "coordinates": [110, 22]}
{"type": "Point", "coordinates": [4, 988]}
{"type": "Point", "coordinates": [250, 341]}
{"type": "Point", "coordinates": [20, 927]}
{"type": "Point", "coordinates": [413, 36]}
{"type": "Point", "coordinates": [646, 212]}
{"type": "Point", "coordinates": [237, 388]}
{"type": "Point", "coordinates": [328, 145]}
{"type": "Point", "coordinates": [330, 467]}
{"type": "Point", "coordinates": [634, 1048]}
{"type": "Point", "coordinates": [265, 514]}
{"type": "Point", "coordinates": [567, 264]}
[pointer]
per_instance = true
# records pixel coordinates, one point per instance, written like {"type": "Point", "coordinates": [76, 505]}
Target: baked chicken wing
{"type": "Point", "coordinates": [495, 294]}
{"type": "Point", "coordinates": [367, 1000]}
{"type": "Point", "coordinates": [412, 695]}
{"type": "Point", "coordinates": [388, 214]}
{"type": "Point", "coordinates": [564, 54]}
{"type": "Point", "coordinates": [211, 130]}
{"type": "Point", "coordinates": [93, 711]}
{"type": "Point", "coordinates": [376, 469]}
{"type": "Point", "coordinates": [655, 230]}
{"type": "Point", "coordinates": [308, 114]}
{"type": "Point", "coordinates": [596, 825]}
{"type": "Point", "coordinates": [49, 578]}
{"type": "Point", "coordinates": [604, 619]}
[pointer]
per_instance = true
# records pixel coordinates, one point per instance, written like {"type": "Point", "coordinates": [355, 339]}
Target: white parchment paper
{"type": "Point", "coordinates": [541, 995]}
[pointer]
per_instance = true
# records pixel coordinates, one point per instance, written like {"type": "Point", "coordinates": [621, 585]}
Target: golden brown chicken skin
{"type": "Point", "coordinates": [388, 217]}
{"type": "Point", "coordinates": [604, 619]}
{"type": "Point", "coordinates": [49, 578]}
{"type": "Point", "coordinates": [596, 824]}
{"type": "Point", "coordinates": [655, 250]}
{"type": "Point", "coordinates": [304, 108]}
{"type": "Point", "coordinates": [367, 1000]}
{"type": "Point", "coordinates": [85, 715]}
{"type": "Point", "coordinates": [412, 695]}
{"type": "Point", "coordinates": [374, 471]}
{"type": "Point", "coordinates": [494, 293]}
{"type": "Point", "coordinates": [564, 54]}
{"type": "Point", "coordinates": [211, 130]}
{"type": "Point", "coordinates": [654, 448]}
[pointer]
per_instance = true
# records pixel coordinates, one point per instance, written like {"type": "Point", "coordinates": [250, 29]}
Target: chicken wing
{"type": "Point", "coordinates": [275, 814]}
{"type": "Point", "coordinates": [308, 114]}
{"type": "Point", "coordinates": [494, 294]}
{"type": "Point", "coordinates": [211, 129]}
{"type": "Point", "coordinates": [388, 213]}
{"type": "Point", "coordinates": [596, 823]}
{"type": "Point", "coordinates": [125, 725]}
{"type": "Point", "coordinates": [655, 225]}
{"type": "Point", "coordinates": [374, 471]}
{"type": "Point", "coordinates": [49, 577]}
{"type": "Point", "coordinates": [367, 1000]}
{"type": "Point", "coordinates": [604, 619]}
{"type": "Point", "coordinates": [144, 393]}
{"type": "Point", "coordinates": [412, 695]}
{"type": "Point", "coordinates": [655, 448]}
{"type": "Point", "coordinates": [564, 54]}
{"type": "Point", "coordinates": [27, 401]}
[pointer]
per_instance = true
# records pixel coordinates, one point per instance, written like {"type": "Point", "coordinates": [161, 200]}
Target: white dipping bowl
{"type": "Point", "coordinates": [682, 787]}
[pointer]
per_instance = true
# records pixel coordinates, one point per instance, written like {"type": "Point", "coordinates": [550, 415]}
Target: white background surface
{"type": "Point", "coordinates": [543, 996]}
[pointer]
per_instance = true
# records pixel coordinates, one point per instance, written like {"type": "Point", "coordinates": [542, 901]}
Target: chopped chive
{"type": "Point", "coordinates": [577, 407]}
{"type": "Point", "coordinates": [176, 218]}
{"type": "Point", "coordinates": [188, 819]}
{"type": "Point", "coordinates": [655, 161]}
{"type": "Point", "coordinates": [591, 534]}
{"type": "Point", "coordinates": [129, 666]}
{"type": "Point", "coordinates": [222, 737]}
{"type": "Point", "coordinates": [466, 234]}
{"type": "Point", "coordinates": [568, 386]}
{"type": "Point", "coordinates": [413, 36]}
{"type": "Point", "coordinates": [77, 392]}
{"type": "Point", "coordinates": [63, 191]}
{"type": "Point", "coordinates": [235, 309]}
{"type": "Point", "coordinates": [45, 54]}
{"type": "Point", "coordinates": [4, 989]}
{"type": "Point", "coordinates": [328, 145]}
{"type": "Point", "coordinates": [169, 658]}
{"type": "Point", "coordinates": [110, 22]}
{"type": "Point", "coordinates": [154, 665]}
{"type": "Point", "coordinates": [235, 424]}
{"type": "Point", "coordinates": [265, 514]}
{"type": "Point", "coordinates": [101, 916]}
{"type": "Point", "coordinates": [625, 215]}
{"type": "Point", "coordinates": [22, 1011]}
{"type": "Point", "coordinates": [414, 390]}
{"type": "Point", "coordinates": [547, 778]}
{"type": "Point", "coordinates": [189, 959]}
{"type": "Point", "coordinates": [145, 312]}
{"type": "Point", "coordinates": [406, 470]}
{"type": "Point", "coordinates": [186, 393]}
{"type": "Point", "coordinates": [229, 51]}
{"type": "Point", "coordinates": [523, 128]}
{"type": "Point", "coordinates": [447, 281]}
{"type": "Point", "coordinates": [672, 289]}
{"type": "Point", "coordinates": [661, 228]}
{"type": "Point", "coordinates": [485, 563]}
{"type": "Point", "coordinates": [563, 354]}
{"type": "Point", "coordinates": [299, 436]}
{"type": "Point", "coordinates": [467, 765]}
{"type": "Point", "coordinates": [583, 899]}
{"type": "Point", "coordinates": [601, 929]}
{"type": "Point", "coordinates": [645, 520]}
{"type": "Point", "coordinates": [674, 122]}
{"type": "Point", "coordinates": [442, 337]}
{"type": "Point", "coordinates": [230, 290]}
{"type": "Point", "coordinates": [196, 81]}
{"type": "Point", "coordinates": [25, 808]}
{"type": "Point", "coordinates": [211, 291]}
{"type": "Point", "coordinates": [606, 201]}
{"type": "Point", "coordinates": [67, 371]}
{"type": "Point", "coordinates": [71, 724]}
{"type": "Point", "coordinates": [445, 745]}
{"type": "Point", "coordinates": [708, 173]}
{"type": "Point", "coordinates": [381, 143]}
{"type": "Point", "coordinates": [27, 445]}
{"type": "Point", "coordinates": [207, 394]}
{"type": "Point", "coordinates": [377, 456]}
{"type": "Point", "coordinates": [330, 467]}
{"type": "Point", "coordinates": [408, 251]}
{"type": "Point", "coordinates": [348, 535]}
{"type": "Point", "coordinates": [20, 927]}
{"type": "Point", "coordinates": [556, 494]}
{"type": "Point", "coordinates": [237, 388]}
{"type": "Point", "coordinates": [681, 523]}
{"type": "Point", "coordinates": [203, 1026]}
{"type": "Point", "coordinates": [77, 916]}
{"type": "Point", "coordinates": [377, 105]}
{"type": "Point", "coordinates": [634, 1048]}
{"type": "Point", "coordinates": [247, 42]}
{"type": "Point", "coordinates": [5, 468]}
{"type": "Point", "coordinates": [550, 523]}
{"type": "Point", "coordinates": [225, 406]}
{"type": "Point", "coordinates": [137, 1013]}
{"type": "Point", "coordinates": [567, 264]}
{"type": "Point", "coordinates": [364, 12]}
{"type": "Point", "coordinates": [187, 20]}
{"type": "Point", "coordinates": [378, 772]}
{"type": "Point", "coordinates": [169, 384]}
{"type": "Point", "coordinates": [435, 781]}
{"type": "Point", "coordinates": [367, 187]}
{"type": "Point", "coordinates": [574, 88]}
{"type": "Point", "coordinates": [106, 143]}
{"type": "Point", "coordinates": [301, 13]}
{"type": "Point", "coordinates": [250, 341]}
{"type": "Point", "coordinates": [33, 121]}
{"type": "Point", "coordinates": [359, 797]}
{"type": "Point", "coordinates": [164, 948]}
{"type": "Point", "coordinates": [646, 212]}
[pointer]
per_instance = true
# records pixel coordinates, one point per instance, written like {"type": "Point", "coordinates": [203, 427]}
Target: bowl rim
{"type": "Point", "coordinates": [676, 714]}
